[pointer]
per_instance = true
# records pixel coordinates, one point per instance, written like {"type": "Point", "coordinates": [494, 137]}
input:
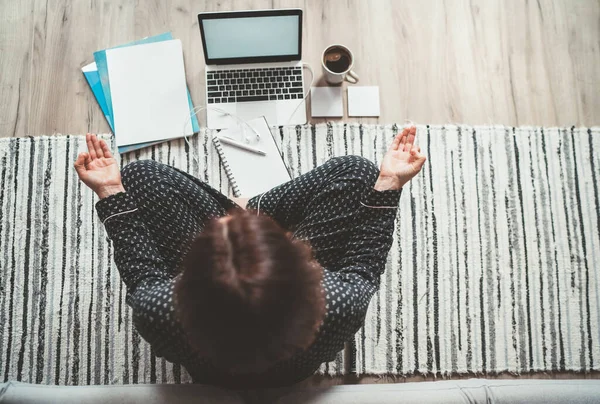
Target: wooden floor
{"type": "Point", "coordinates": [508, 62]}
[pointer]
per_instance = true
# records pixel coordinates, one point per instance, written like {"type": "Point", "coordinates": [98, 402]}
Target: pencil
{"type": "Point", "coordinates": [237, 144]}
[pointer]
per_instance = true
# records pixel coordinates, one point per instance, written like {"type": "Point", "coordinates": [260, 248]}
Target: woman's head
{"type": "Point", "coordinates": [249, 295]}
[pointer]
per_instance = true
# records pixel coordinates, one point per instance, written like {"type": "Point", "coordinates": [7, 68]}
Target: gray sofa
{"type": "Point", "coordinates": [472, 391]}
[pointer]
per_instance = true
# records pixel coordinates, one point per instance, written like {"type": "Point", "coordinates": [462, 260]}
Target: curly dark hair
{"type": "Point", "coordinates": [249, 295]}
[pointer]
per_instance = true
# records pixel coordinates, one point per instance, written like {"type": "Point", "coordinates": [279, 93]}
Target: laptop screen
{"type": "Point", "coordinates": [251, 36]}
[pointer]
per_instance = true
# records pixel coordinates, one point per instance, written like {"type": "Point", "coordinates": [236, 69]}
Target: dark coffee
{"type": "Point", "coordinates": [337, 59]}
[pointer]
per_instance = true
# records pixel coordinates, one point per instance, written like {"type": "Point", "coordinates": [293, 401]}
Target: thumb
{"type": "Point", "coordinates": [80, 163]}
{"type": "Point", "coordinates": [418, 158]}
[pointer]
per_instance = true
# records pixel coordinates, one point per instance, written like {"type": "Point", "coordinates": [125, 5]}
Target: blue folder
{"type": "Point", "coordinates": [100, 84]}
{"type": "Point", "coordinates": [93, 79]}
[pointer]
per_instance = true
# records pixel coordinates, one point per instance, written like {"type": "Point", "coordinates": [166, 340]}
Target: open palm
{"type": "Point", "coordinates": [98, 169]}
{"type": "Point", "coordinates": [403, 160]}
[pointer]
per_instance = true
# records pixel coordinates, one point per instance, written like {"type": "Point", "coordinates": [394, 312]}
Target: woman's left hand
{"type": "Point", "coordinates": [401, 163]}
{"type": "Point", "coordinates": [98, 169]}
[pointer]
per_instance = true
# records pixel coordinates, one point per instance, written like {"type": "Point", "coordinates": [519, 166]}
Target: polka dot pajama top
{"type": "Point", "coordinates": [335, 207]}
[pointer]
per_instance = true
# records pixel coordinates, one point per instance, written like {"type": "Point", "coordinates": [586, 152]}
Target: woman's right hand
{"type": "Point", "coordinates": [98, 169]}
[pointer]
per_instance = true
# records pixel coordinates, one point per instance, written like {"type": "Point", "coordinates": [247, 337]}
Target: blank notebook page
{"type": "Point", "coordinates": [149, 92]}
{"type": "Point", "coordinates": [253, 173]}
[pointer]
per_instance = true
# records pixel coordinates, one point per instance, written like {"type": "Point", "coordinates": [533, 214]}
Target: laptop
{"type": "Point", "coordinates": [253, 67]}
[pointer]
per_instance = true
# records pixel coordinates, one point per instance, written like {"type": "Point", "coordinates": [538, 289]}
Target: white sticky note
{"type": "Point", "coordinates": [363, 101]}
{"type": "Point", "coordinates": [149, 92]}
{"type": "Point", "coordinates": [326, 102]}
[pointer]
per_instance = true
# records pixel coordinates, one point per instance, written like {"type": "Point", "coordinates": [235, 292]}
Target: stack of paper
{"type": "Point", "coordinates": [141, 89]}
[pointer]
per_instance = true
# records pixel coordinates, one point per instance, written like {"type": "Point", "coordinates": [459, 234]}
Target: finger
{"type": "Point", "coordinates": [422, 159]}
{"type": "Point", "coordinates": [80, 162]}
{"type": "Point", "coordinates": [105, 149]}
{"type": "Point", "coordinates": [415, 153]}
{"type": "Point", "coordinates": [403, 139]}
{"type": "Point", "coordinates": [418, 158]}
{"type": "Point", "coordinates": [396, 142]}
{"type": "Point", "coordinates": [91, 147]}
{"type": "Point", "coordinates": [99, 151]}
{"type": "Point", "coordinates": [410, 138]}
{"type": "Point", "coordinates": [417, 148]}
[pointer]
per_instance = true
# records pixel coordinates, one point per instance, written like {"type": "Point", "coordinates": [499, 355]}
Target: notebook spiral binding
{"type": "Point", "coordinates": [232, 182]}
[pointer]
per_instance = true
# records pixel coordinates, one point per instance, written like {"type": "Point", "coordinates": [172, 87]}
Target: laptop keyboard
{"type": "Point", "coordinates": [241, 85]}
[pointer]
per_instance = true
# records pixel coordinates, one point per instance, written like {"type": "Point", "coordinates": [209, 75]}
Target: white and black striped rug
{"type": "Point", "coordinates": [494, 265]}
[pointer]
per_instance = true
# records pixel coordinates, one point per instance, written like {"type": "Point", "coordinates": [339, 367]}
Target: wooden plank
{"type": "Point", "coordinates": [69, 33]}
{"type": "Point", "coordinates": [16, 31]}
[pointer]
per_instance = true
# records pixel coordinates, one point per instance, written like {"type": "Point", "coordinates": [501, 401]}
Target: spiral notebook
{"type": "Point", "coordinates": [249, 173]}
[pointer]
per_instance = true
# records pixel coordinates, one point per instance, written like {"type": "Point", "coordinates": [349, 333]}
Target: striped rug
{"type": "Point", "coordinates": [494, 265]}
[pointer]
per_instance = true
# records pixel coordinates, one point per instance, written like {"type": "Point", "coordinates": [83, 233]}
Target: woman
{"type": "Point", "coordinates": [258, 297]}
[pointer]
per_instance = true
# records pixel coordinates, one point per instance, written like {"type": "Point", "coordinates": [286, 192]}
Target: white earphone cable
{"type": "Point", "coordinates": [243, 123]}
{"type": "Point", "coordinates": [196, 110]}
{"type": "Point", "coordinates": [312, 80]}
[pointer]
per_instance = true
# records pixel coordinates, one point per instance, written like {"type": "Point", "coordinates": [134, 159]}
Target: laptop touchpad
{"type": "Point", "coordinates": [251, 110]}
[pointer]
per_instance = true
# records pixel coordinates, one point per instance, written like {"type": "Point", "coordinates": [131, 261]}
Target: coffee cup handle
{"type": "Point", "coordinates": [354, 77]}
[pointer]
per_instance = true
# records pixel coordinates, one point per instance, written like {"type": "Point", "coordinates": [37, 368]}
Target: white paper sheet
{"type": "Point", "coordinates": [363, 101]}
{"type": "Point", "coordinates": [149, 93]}
{"type": "Point", "coordinates": [326, 102]}
{"type": "Point", "coordinates": [89, 68]}
{"type": "Point", "coordinates": [253, 173]}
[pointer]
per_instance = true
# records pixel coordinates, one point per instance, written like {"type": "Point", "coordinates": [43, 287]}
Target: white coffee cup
{"type": "Point", "coordinates": [338, 65]}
